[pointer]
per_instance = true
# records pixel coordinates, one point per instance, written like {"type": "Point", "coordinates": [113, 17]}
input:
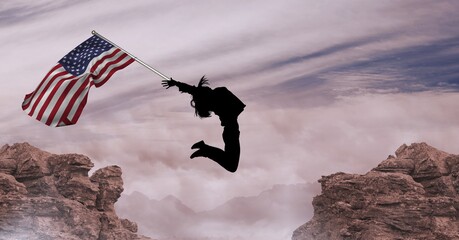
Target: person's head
{"type": "Point", "coordinates": [201, 98]}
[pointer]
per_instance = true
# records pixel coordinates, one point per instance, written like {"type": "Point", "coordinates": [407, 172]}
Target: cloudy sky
{"type": "Point", "coordinates": [329, 86]}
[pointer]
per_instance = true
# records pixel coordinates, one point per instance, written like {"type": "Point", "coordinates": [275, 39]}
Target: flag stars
{"type": "Point", "coordinates": [78, 59]}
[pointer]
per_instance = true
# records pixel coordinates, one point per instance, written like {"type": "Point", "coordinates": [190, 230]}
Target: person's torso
{"type": "Point", "coordinates": [225, 103]}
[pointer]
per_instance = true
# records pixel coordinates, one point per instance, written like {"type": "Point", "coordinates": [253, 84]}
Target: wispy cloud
{"type": "Point", "coordinates": [13, 12]}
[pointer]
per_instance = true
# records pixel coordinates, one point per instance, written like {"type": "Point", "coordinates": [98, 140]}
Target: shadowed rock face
{"type": "Point", "coordinates": [413, 195]}
{"type": "Point", "coordinates": [48, 196]}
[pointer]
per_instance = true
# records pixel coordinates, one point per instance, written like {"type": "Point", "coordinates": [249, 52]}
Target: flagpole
{"type": "Point", "coordinates": [132, 56]}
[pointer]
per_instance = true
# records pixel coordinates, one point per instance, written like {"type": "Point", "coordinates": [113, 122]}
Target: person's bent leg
{"type": "Point", "coordinates": [228, 158]}
{"type": "Point", "coordinates": [232, 146]}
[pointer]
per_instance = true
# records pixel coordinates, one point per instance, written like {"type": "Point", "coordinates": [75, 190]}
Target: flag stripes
{"type": "Point", "coordinates": [61, 96]}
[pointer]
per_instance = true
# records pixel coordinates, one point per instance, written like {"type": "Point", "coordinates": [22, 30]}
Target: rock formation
{"type": "Point", "coordinates": [46, 196]}
{"type": "Point", "coordinates": [413, 195]}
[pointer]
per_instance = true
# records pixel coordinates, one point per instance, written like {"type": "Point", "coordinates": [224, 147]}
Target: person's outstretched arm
{"type": "Point", "coordinates": [183, 87]}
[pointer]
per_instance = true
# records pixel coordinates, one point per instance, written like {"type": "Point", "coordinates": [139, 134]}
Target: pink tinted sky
{"type": "Point", "coordinates": [329, 86]}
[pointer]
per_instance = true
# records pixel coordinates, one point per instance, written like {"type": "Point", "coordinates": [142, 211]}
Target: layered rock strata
{"type": "Point", "coordinates": [412, 195]}
{"type": "Point", "coordinates": [46, 196]}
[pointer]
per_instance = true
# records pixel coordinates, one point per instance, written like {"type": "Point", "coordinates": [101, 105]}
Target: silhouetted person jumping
{"type": "Point", "coordinates": [227, 107]}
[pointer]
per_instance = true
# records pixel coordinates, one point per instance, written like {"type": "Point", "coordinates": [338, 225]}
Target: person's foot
{"type": "Point", "coordinates": [198, 153]}
{"type": "Point", "coordinates": [199, 144]}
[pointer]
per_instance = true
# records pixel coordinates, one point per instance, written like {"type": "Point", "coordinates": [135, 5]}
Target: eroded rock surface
{"type": "Point", "coordinates": [413, 195]}
{"type": "Point", "coordinates": [46, 196]}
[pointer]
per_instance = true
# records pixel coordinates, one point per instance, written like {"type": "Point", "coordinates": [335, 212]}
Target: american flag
{"type": "Point", "coordinates": [61, 96]}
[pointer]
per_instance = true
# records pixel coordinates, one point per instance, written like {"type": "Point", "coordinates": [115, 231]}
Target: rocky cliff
{"type": "Point", "coordinates": [413, 195]}
{"type": "Point", "coordinates": [46, 196]}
